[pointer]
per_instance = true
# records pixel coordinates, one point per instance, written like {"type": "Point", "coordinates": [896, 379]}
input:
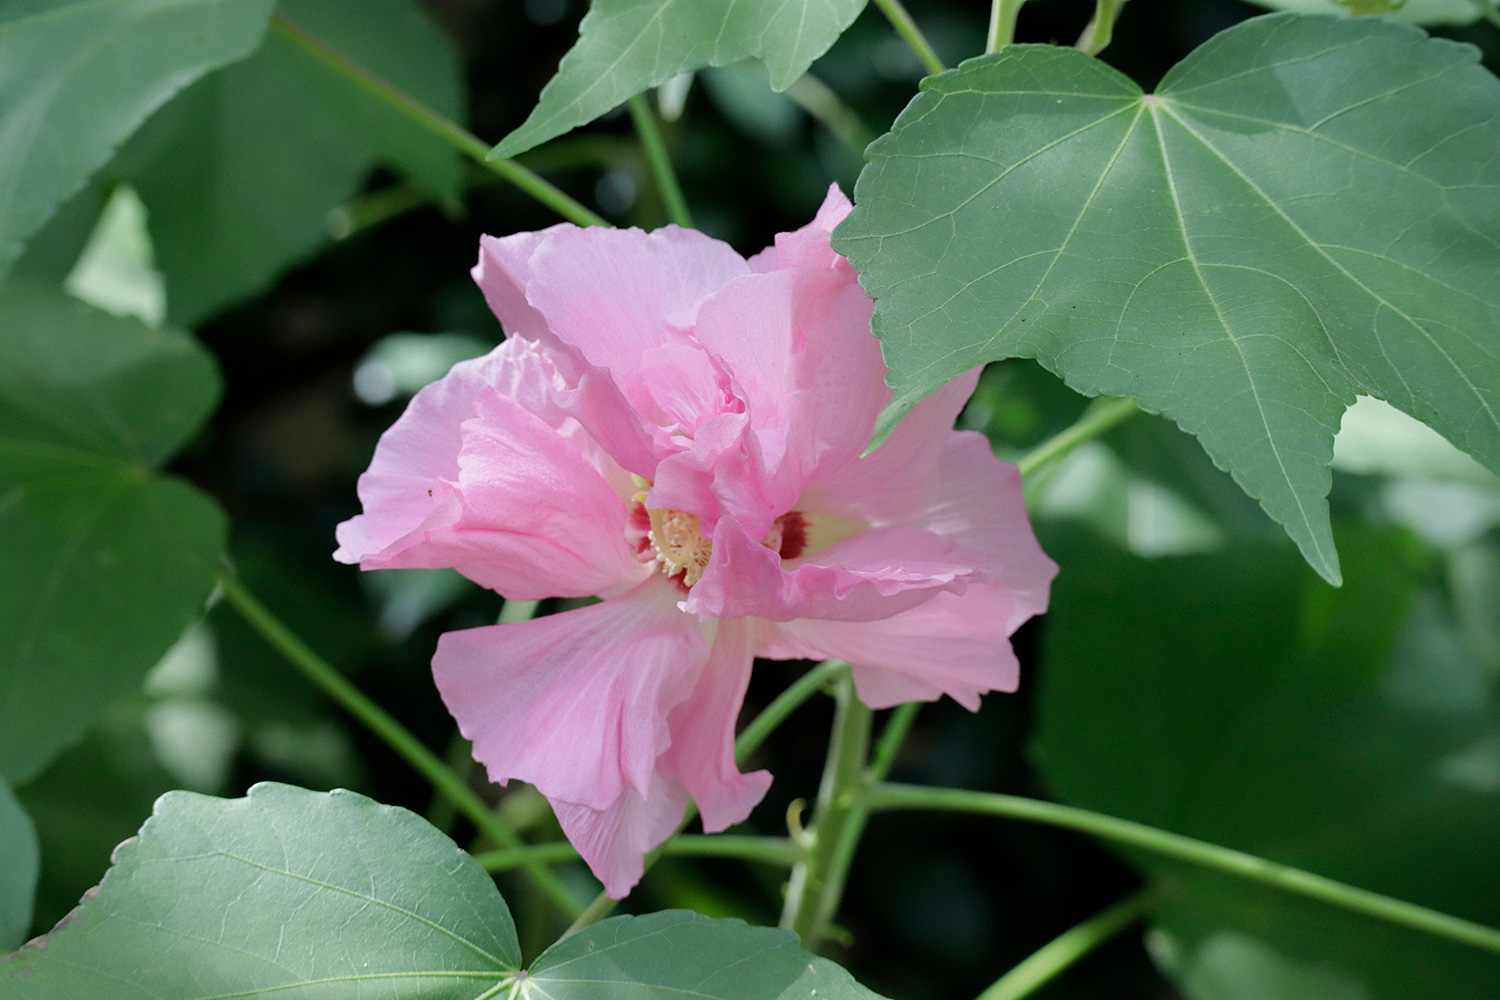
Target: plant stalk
{"type": "Point", "coordinates": [426, 763]}
{"type": "Point", "coordinates": [908, 30]}
{"type": "Point", "coordinates": [817, 884]}
{"type": "Point", "coordinates": [1197, 852]}
{"type": "Point", "coordinates": [661, 164]}
{"type": "Point", "coordinates": [1058, 955]}
{"type": "Point", "coordinates": [1003, 14]}
{"type": "Point", "coordinates": [448, 131]}
{"type": "Point", "coordinates": [1100, 415]}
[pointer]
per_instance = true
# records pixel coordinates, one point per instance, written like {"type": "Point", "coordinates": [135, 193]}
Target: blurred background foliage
{"type": "Point", "coordinates": [1193, 672]}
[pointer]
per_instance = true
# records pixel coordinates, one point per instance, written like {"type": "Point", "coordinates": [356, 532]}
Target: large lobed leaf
{"type": "Point", "coordinates": [240, 172]}
{"type": "Point", "coordinates": [1353, 733]}
{"type": "Point", "coordinates": [625, 46]}
{"type": "Point", "coordinates": [306, 894]}
{"type": "Point", "coordinates": [78, 77]}
{"type": "Point", "coordinates": [105, 562]}
{"type": "Point", "coordinates": [1307, 208]}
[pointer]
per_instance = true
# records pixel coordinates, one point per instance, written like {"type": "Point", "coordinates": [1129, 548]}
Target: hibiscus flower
{"type": "Point", "coordinates": [679, 431]}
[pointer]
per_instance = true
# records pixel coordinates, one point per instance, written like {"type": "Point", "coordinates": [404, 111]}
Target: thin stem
{"type": "Point", "coordinates": [828, 109]}
{"type": "Point", "coordinates": [1102, 414]}
{"type": "Point", "coordinates": [799, 691]}
{"type": "Point", "coordinates": [459, 759]}
{"type": "Point", "coordinates": [817, 679]}
{"type": "Point", "coordinates": [661, 164]}
{"type": "Point", "coordinates": [1059, 954]}
{"type": "Point", "coordinates": [1488, 11]}
{"type": "Point", "coordinates": [778, 851]}
{"type": "Point", "coordinates": [1198, 852]}
{"type": "Point", "coordinates": [450, 132]}
{"type": "Point", "coordinates": [817, 884]}
{"type": "Point", "coordinates": [382, 724]}
{"type": "Point", "coordinates": [1099, 31]}
{"type": "Point", "coordinates": [891, 738]}
{"type": "Point", "coordinates": [1003, 15]}
{"type": "Point", "coordinates": [908, 30]}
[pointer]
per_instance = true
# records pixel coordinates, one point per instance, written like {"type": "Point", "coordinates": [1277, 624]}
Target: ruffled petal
{"type": "Point", "coordinates": [897, 478]}
{"type": "Point", "coordinates": [615, 294]}
{"type": "Point", "coordinates": [809, 247]}
{"type": "Point", "coordinates": [575, 703]}
{"type": "Point", "coordinates": [420, 450]}
{"type": "Point", "coordinates": [503, 271]}
{"type": "Point", "coordinates": [875, 574]}
{"type": "Point", "coordinates": [981, 508]}
{"type": "Point", "coordinates": [614, 840]}
{"type": "Point", "coordinates": [954, 644]}
{"type": "Point", "coordinates": [701, 756]}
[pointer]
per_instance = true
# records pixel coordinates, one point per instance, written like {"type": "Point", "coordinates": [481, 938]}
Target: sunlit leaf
{"type": "Point", "coordinates": [625, 46]}
{"type": "Point", "coordinates": [78, 77]}
{"type": "Point", "coordinates": [105, 562]}
{"type": "Point", "coordinates": [18, 869]}
{"type": "Point", "coordinates": [311, 894]}
{"type": "Point", "coordinates": [1307, 208]}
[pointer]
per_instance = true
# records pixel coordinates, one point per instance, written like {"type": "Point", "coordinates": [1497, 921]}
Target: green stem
{"type": "Point", "coordinates": [817, 679]}
{"type": "Point", "coordinates": [891, 738]}
{"type": "Point", "coordinates": [908, 30]}
{"type": "Point", "coordinates": [661, 164]}
{"type": "Point", "coordinates": [1056, 956]}
{"type": "Point", "coordinates": [448, 131]}
{"type": "Point", "coordinates": [1102, 414]}
{"type": "Point", "coordinates": [817, 884]}
{"type": "Point", "coordinates": [779, 851]}
{"type": "Point", "coordinates": [460, 760]}
{"type": "Point", "coordinates": [397, 737]}
{"type": "Point", "coordinates": [1003, 15]}
{"type": "Point", "coordinates": [1488, 11]}
{"type": "Point", "coordinates": [828, 109]}
{"type": "Point", "coordinates": [1099, 31]}
{"type": "Point", "coordinates": [1198, 852]}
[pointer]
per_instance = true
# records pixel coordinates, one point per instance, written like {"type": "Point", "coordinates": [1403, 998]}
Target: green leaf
{"type": "Point", "coordinates": [240, 172]}
{"type": "Point", "coordinates": [312, 894]}
{"type": "Point", "coordinates": [81, 76]}
{"type": "Point", "coordinates": [625, 46]}
{"type": "Point", "coordinates": [1411, 11]}
{"type": "Point", "coordinates": [676, 953]}
{"type": "Point", "coordinates": [105, 562]}
{"type": "Point", "coordinates": [19, 863]}
{"type": "Point", "coordinates": [1306, 209]}
{"type": "Point", "coordinates": [299, 893]}
{"type": "Point", "coordinates": [1351, 733]}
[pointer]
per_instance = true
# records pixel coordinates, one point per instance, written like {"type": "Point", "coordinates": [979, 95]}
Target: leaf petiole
{"type": "Point", "coordinates": [449, 131]}
{"type": "Point", "coordinates": [382, 724]}
{"type": "Point", "coordinates": [1059, 954]}
{"type": "Point", "coordinates": [908, 30]}
{"type": "Point", "coordinates": [1193, 851]}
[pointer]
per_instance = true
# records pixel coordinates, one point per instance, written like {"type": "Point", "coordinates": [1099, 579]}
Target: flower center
{"type": "Point", "coordinates": [680, 545]}
{"type": "Point", "coordinates": [673, 539]}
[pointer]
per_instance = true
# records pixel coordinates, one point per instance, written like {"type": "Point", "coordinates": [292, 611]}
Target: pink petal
{"type": "Point", "coordinates": [614, 294]}
{"type": "Point", "coordinates": [808, 246]}
{"type": "Point", "coordinates": [614, 840]}
{"type": "Point", "coordinates": [421, 448]}
{"type": "Point", "coordinates": [873, 575]}
{"type": "Point", "coordinates": [896, 478]}
{"type": "Point", "coordinates": [575, 703]}
{"type": "Point", "coordinates": [954, 644]}
{"type": "Point", "coordinates": [503, 271]}
{"type": "Point", "coordinates": [702, 751]}
{"type": "Point", "coordinates": [981, 508]}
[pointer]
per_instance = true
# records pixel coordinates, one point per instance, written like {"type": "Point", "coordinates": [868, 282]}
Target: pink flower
{"type": "Point", "coordinates": [678, 430]}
